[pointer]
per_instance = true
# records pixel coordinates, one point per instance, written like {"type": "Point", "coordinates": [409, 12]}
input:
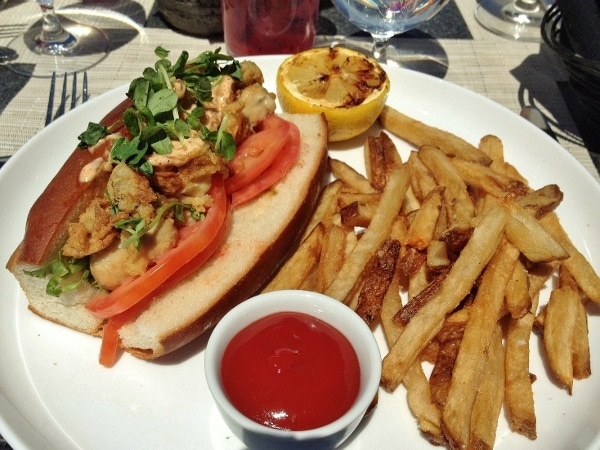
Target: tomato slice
{"type": "Point", "coordinates": [273, 173]}
{"type": "Point", "coordinates": [204, 232]}
{"type": "Point", "coordinates": [256, 153]}
{"type": "Point", "coordinates": [110, 333]}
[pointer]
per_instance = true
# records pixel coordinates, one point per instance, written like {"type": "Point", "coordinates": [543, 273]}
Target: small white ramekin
{"type": "Point", "coordinates": [256, 435]}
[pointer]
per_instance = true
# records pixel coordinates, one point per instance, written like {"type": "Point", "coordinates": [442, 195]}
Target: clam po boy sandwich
{"type": "Point", "coordinates": [179, 204]}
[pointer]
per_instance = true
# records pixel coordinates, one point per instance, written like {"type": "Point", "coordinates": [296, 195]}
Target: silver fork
{"type": "Point", "coordinates": [50, 116]}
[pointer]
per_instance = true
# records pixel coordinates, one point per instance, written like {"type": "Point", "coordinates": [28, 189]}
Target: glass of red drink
{"type": "Point", "coordinates": [265, 27]}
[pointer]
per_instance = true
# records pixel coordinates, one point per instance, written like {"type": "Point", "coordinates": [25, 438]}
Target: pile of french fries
{"type": "Point", "coordinates": [447, 252]}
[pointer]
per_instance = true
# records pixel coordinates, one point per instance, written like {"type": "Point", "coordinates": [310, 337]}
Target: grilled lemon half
{"type": "Point", "coordinates": [349, 87]}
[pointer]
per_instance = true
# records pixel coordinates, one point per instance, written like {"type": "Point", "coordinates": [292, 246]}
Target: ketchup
{"type": "Point", "coordinates": [291, 371]}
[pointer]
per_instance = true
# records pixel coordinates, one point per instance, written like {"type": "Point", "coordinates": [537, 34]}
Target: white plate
{"type": "Point", "coordinates": [54, 394]}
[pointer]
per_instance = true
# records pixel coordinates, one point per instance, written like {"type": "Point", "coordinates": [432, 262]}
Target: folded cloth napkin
{"type": "Point", "coordinates": [581, 21]}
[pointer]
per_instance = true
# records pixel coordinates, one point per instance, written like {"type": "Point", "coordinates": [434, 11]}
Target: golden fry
{"type": "Point", "coordinates": [475, 344]}
{"type": "Point", "coordinates": [518, 390]}
{"type": "Point", "coordinates": [422, 406]}
{"type": "Point", "coordinates": [492, 146]}
{"type": "Point", "coordinates": [332, 257]}
{"type": "Point", "coordinates": [529, 235]}
{"type": "Point", "coordinates": [350, 177]}
{"type": "Point", "coordinates": [488, 180]}
{"type": "Point", "coordinates": [423, 181]}
{"type": "Point", "coordinates": [459, 205]}
{"type": "Point", "coordinates": [375, 234]}
{"type": "Point", "coordinates": [380, 154]}
{"type": "Point", "coordinates": [490, 396]}
{"type": "Point", "coordinates": [418, 134]}
{"type": "Point", "coordinates": [428, 320]}
{"type": "Point", "coordinates": [559, 328]}
{"type": "Point", "coordinates": [581, 269]}
{"type": "Point", "coordinates": [358, 214]}
{"type": "Point", "coordinates": [518, 300]}
{"type": "Point", "coordinates": [377, 280]}
{"type": "Point", "coordinates": [423, 225]}
{"type": "Point", "coordinates": [295, 270]}
{"type": "Point", "coordinates": [326, 206]}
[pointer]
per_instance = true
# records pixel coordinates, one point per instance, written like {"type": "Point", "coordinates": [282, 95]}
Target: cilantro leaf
{"type": "Point", "coordinates": [92, 135]}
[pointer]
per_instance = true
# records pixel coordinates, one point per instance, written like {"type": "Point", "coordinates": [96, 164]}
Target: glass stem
{"type": "Point", "coordinates": [52, 30]}
{"type": "Point", "coordinates": [380, 45]}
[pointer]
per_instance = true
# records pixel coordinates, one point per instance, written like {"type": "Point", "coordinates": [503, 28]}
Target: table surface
{"type": "Point", "coordinates": [511, 73]}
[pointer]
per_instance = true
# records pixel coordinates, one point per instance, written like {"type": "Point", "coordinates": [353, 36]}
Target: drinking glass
{"type": "Point", "coordinates": [517, 19]}
{"type": "Point", "coordinates": [57, 45]}
{"type": "Point", "coordinates": [259, 27]}
{"type": "Point", "coordinates": [383, 19]}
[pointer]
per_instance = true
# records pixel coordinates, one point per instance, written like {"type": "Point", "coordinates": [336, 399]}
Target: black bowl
{"type": "Point", "coordinates": [584, 74]}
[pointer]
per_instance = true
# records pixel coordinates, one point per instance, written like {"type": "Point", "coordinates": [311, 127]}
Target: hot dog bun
{"type": "Point", "coordinates": [263, 232]}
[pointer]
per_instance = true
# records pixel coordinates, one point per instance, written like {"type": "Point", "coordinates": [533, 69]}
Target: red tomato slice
{"type": "Point", "coordinates": [110, 333]}
{"type": "Point", "coordinates": [205, 231]}
{"type": "Point", "coordinates": [256, 153]}
{"type": "Point", "coordinates": [275, 172]}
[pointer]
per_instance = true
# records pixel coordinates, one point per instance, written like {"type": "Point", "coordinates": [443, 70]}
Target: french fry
{"type": "Point", "coordinates": [424, 222]}
{"type": "Point", "coordinates": [392, 302]}
{"type": "Point", "coordinates": [529, 235]}
{"type": "Point", "coordinates": [326, 206]}
{"type": "Point", "coordinates": [581, 345]}
{"type": "Point", "coordinates": [449, 339]}
{"type": "Point", "coordinates": [295, 270]}
{"type": "Point", "coordinates": [357, 214]}
{"type": "Point", "coordinates": [422, 406]}
{"type": "Point", "coordinates": [419, 300]}
{"type": "Point", "coordinates": [518, 300]}
{"type": "Point", "coordinates": [559, 328]}
{"type": "Point", "coordinates": [541, 201]}
{"type": "Point", "coordinates": [380, 154]}
{"type": "Point", "coordinates": [381, 223]}
{"type": "Point", "coordinates": [347, 197]}
{"type": "Point", "coordinates": [475, 344]}
{"type": "Point", "coordinates": [428, 320]}
{"type": "Point", "coordinates": [350, 177]}
{"type": "Point", "coordinates": [419, 134]}
{"type": "Point", "coordinates": [422, 180]}
{"type": "Point", "coordinates": [490, 396]}
{"type": "Point", "coordinates": [583, 272]}
{"type": "Point", "coordinates": [488, 180]}
{"type": "Point", "coordinates": [437, 256]}
{"type": "Point", "coordinates": [377, 280]}
{"type": "Point", "coordinates": [458, 202]}
{"type": "Point", "coordinates": [492, 146]}
{"type": "Point", "coordinates": [518, 390]}
{"type": "Point", "coordinates": [333, 253]}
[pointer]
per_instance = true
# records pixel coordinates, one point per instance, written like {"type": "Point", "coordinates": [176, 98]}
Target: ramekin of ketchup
{"type": "Point", "coordinates": [292, 370]}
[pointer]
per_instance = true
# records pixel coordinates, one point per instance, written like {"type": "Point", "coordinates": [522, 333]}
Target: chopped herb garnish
{"type": "Point", "coordinates": [137, 228]}
{"type": "Point", "coordinates": [92, 135]}
{"type": "Point", "coordinates": [154, 116]}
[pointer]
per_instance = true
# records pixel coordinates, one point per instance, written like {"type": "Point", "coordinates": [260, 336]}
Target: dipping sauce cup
{"type": "Point", "coordinates": [278, 314]}
{"type": "Point", "coordinates": [269, 27]}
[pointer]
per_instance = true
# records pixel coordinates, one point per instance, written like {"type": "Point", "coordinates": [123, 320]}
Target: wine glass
{"type": "Point", "coordinates": [57, 45]}
{"type": "Point", "coordinates": [383, 19]}
{"type": "Point", "coordinates": [517, 19]}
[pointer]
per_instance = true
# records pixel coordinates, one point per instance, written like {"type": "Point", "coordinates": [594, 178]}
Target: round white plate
{"type": "Point", "coordinates": [54, 394]}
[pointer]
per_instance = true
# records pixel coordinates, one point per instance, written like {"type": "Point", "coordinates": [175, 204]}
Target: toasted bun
{"type": "Point", "coordinates": [263, 232]}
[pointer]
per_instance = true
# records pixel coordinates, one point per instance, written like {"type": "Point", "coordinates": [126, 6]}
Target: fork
{"type": "Point", "coordinates": [63, 101]}
{"type": "Point", "coordinates": [63, 97]}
